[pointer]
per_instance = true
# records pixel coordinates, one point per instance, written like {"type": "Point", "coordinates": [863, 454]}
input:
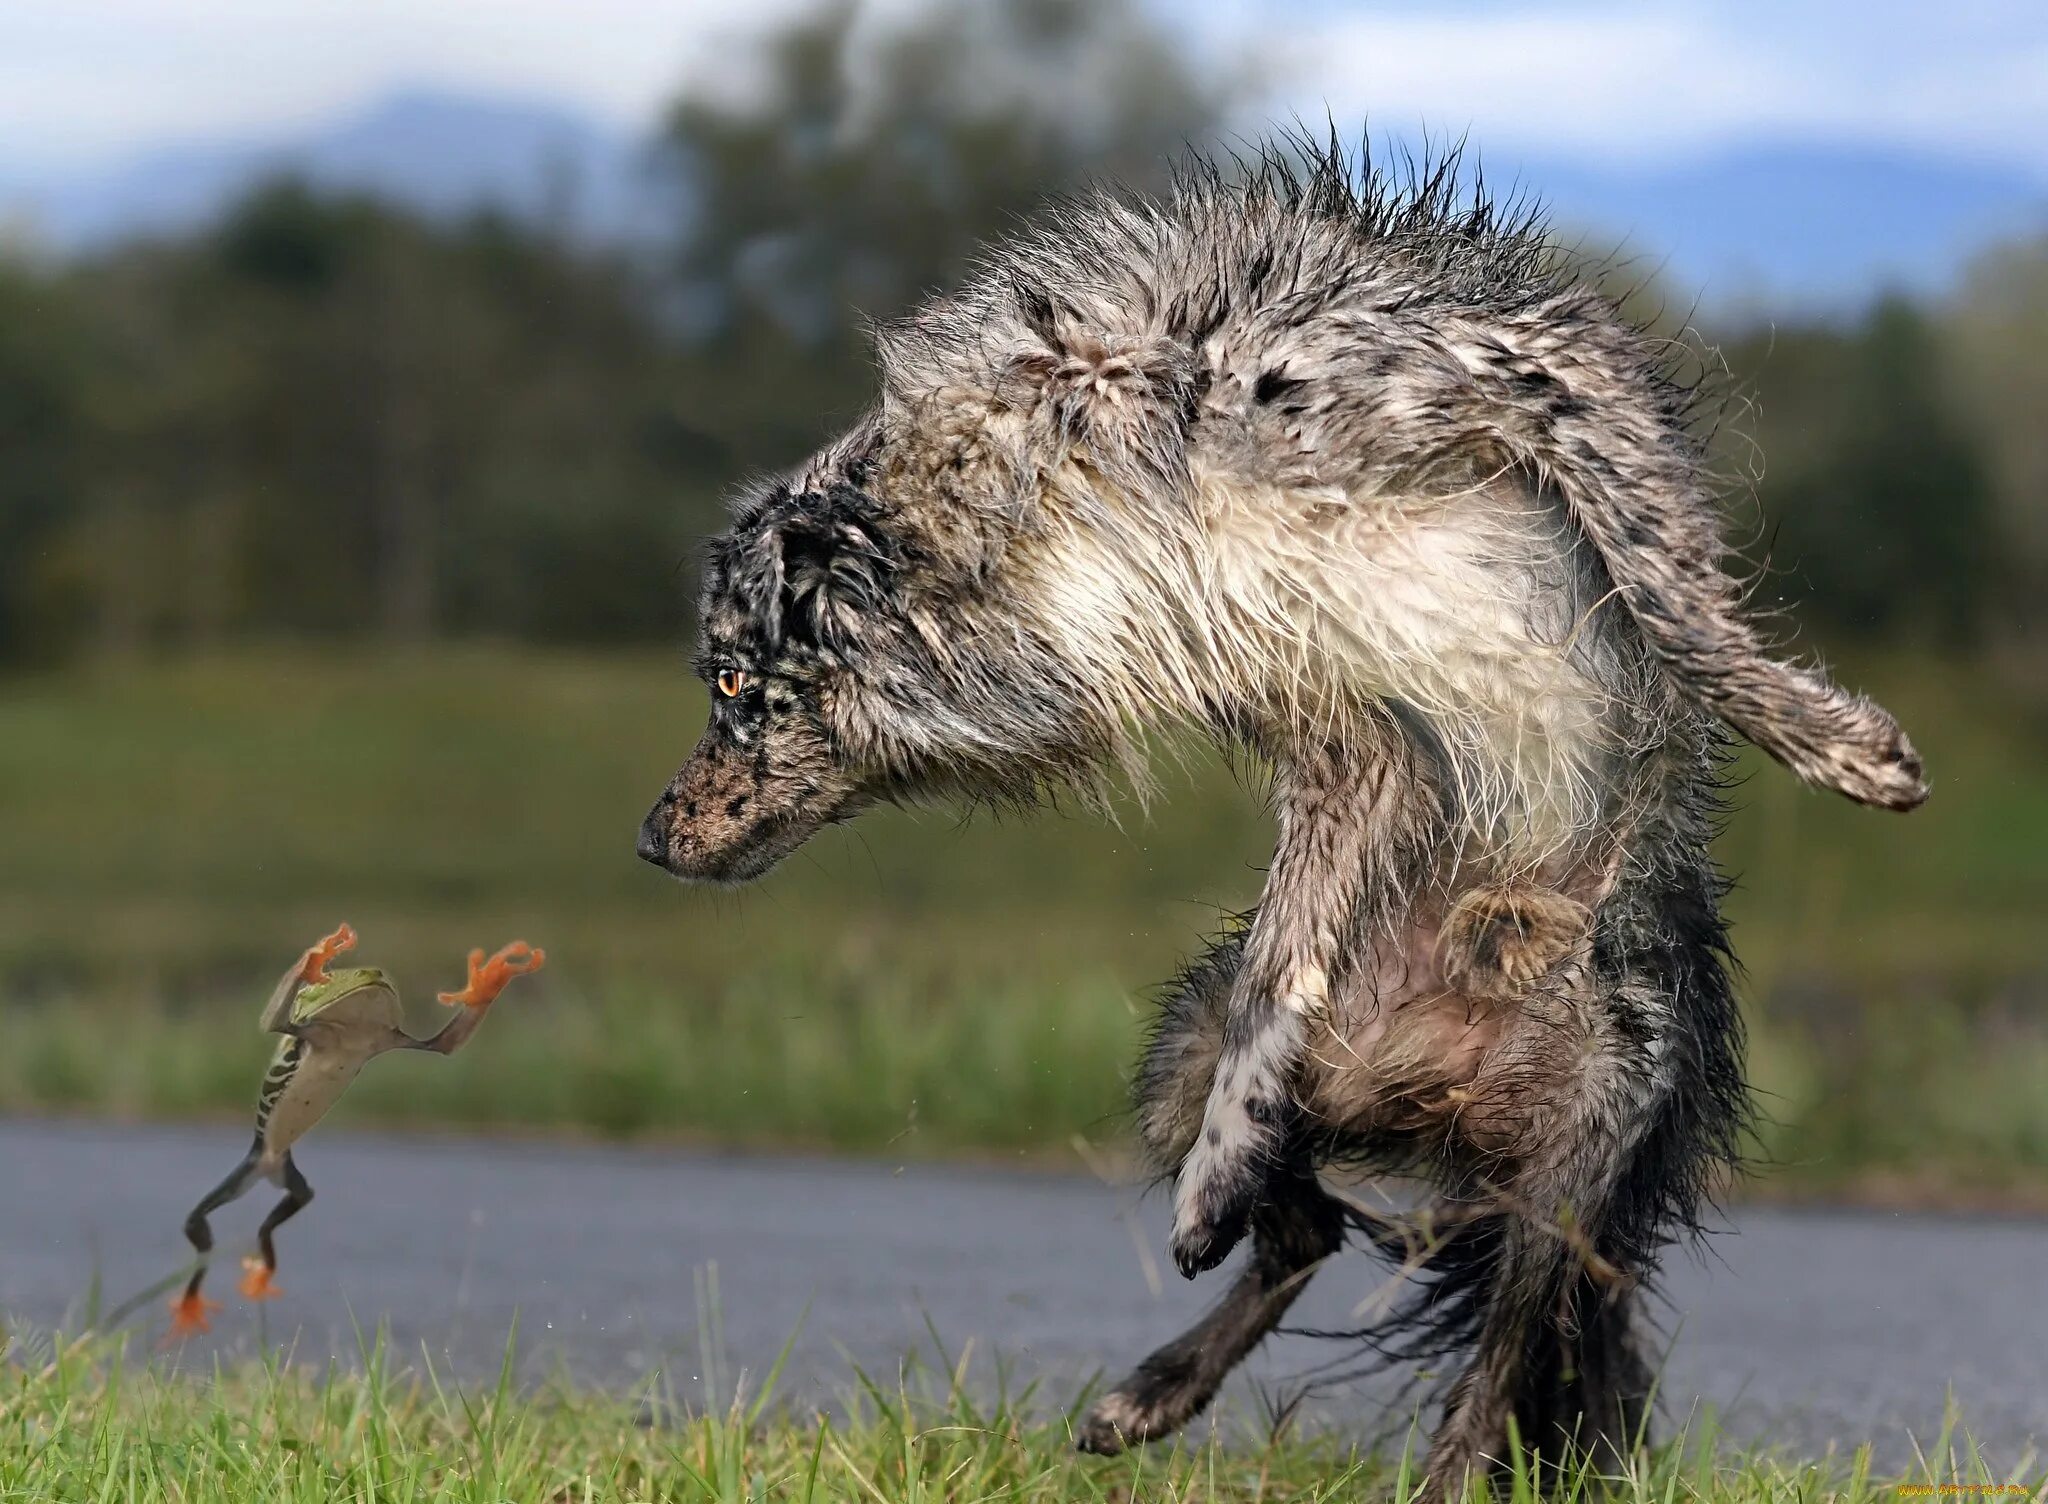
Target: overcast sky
{"type": "Point", "coordinates": [86, 81]}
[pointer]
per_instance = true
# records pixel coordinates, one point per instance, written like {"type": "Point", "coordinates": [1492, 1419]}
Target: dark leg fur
{"type": "Point", "coordinates": [1593, 1152]}
{"type": "Point", "coordinates": [1297, 1227]}
{"type": "Point", "coordinates": [1562, 1359]}
{"type": "Point", "coordinates": [1554, 1320]}
{"type": "Point", "coordinates": [1588, 1382]}
{"type": "Point", "coordinates": [1526, 1377]}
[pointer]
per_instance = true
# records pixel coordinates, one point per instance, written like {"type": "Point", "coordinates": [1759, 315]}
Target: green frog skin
{"type": "Point", "coordinates": [331, 1025]}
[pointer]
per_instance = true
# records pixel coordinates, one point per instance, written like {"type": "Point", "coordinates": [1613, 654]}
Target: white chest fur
{"type": "Point", "coordinates": [1307, 606]}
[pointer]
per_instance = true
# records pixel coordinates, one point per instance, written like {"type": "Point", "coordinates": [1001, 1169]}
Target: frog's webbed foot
{"type": "Point", "coordinates": [257, 1282]}
{"type": "Point", "coordinates": [190, 1312]}
{"type": "Point", "coordinates": [487, 978]}
{"type": "Point", "coordinates": [313, 965]}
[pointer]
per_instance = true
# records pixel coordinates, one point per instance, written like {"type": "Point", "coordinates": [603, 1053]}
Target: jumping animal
{"type": "Point", "coordinates": [333, 1024]}
{"type": "Point", "coordinates": [1355, 474]}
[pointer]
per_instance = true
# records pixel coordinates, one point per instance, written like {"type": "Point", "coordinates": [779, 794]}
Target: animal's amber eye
{"type": "Point", "coordinates": [731, 681]}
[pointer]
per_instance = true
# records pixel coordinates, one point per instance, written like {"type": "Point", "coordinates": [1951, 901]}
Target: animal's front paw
{"type": "Point", "coordinates": [1198, 1246]}
{"type": "Point", "coordinates": [1890, 777]}
{"type": "Point", "coordinates": [1219, 1183]}
{"type": "Point", "coordinates": [1496, 941]}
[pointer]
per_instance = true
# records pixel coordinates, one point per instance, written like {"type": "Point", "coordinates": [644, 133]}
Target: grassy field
{"type": "Point", "coordinates": [171, 834]}
{"type": "Point", "coordinates": [82, 1424]}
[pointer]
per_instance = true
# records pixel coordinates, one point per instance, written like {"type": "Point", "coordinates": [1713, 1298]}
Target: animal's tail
{"type": "Point", "coordinates": [1631, 488]}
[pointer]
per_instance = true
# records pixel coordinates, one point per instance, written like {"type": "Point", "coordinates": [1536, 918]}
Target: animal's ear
{"type": "Point", "coordinates": [814, 571]}
{"type": "Point", "coordinates": [1122, 402]}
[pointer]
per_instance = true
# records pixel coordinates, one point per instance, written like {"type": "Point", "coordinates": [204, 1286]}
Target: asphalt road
{"type": "Point", "coordinates": [1801, 1328]}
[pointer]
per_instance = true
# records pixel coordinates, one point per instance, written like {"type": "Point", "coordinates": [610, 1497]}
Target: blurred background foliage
{"type": "Point", "coordinates": [340, 548]}
{"type": "Point", "coordinates": [489, 427]}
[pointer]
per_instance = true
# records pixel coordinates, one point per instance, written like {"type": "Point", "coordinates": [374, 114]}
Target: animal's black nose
{"type": "Point", "coordinates": [653, 845]}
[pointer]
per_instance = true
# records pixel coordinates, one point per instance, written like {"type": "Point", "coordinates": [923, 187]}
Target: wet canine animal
{"type": "Point", "coordinates": [1350, 474]}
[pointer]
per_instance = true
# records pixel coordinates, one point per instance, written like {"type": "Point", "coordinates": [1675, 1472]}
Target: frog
{"type": "Point", "coordinates": [332, 1024]}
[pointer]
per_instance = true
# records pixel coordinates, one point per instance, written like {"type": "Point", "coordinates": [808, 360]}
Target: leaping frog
{"type": "Point", "coordinates": [333, 1024]}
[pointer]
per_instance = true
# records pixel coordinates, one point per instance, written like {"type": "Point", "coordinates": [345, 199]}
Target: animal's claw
{"type": "Point", "coordinates": [488, 977]}
{"type": "Point", "coordinates": [191, 1312]}
{"type": "Point", "coordinates": [1222, 1179]}
{"type": "Point", "coordinates": [256, 1281]}
{"type": "Point", "coordinates": [1214, 1212]}
{"type": "Point", "coordinates": [313, 968]}
{"type": "Point", "coordinates": [1198, 1248]}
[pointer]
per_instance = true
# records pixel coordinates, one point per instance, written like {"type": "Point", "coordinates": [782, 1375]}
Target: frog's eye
{"type": "Point", "coordinates": [731, 681]}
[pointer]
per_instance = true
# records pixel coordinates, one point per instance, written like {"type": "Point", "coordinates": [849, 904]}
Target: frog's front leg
{"type": "Point", "coordinates": [487, 978]}
{"type": "Point", "coordinates": [257, 1273]}
{"type": "Point", "coordinates": [190, 1311]}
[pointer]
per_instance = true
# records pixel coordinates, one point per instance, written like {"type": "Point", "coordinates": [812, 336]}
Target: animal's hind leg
{"type": "Point", "coordinates": [1590, 1380]}
{"type": "Point", "coordinates": [256, 1279]}
{"type": "Point", "coordinates": [1297, 1227]}
{"type": "Point", "coordinates": [1559, 1355]}
{"type": "Point", "coordinates": [1555, 1111]}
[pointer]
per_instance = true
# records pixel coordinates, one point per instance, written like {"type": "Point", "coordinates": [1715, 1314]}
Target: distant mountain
{"type": "Point", "coordinates": [1798, 226]}
{"type": "Point", "coordinates": [442, 154]}
{"type": "Point", "coordinates": [1763, 228]}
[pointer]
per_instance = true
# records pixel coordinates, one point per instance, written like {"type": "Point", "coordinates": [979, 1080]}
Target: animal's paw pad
{"type": "Point", "coordinates": [1118, 1420]}
{"type": "Point", "coordinates": [1167, 1390]}
{"type": "Point", "coordinates": [1893, 779]}
{"type": "Point", "coordinates": [1496, 941]}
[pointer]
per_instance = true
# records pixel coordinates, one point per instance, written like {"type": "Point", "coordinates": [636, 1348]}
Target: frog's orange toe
{"type": "Point", "coordinates": [515, 960]}
{"type": "Point", "coordinates": [487, 978]}
{"type": "Point", "coordinates": [191, 1312]}
{"type": "Point", "coordinates": [256, 1281]}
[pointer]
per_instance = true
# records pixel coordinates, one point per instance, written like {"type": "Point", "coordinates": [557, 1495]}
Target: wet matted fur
{"type": "Point", "coordinates": [1355, 476]}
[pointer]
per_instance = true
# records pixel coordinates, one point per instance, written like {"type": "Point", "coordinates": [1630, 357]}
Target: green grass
{"type": "Point", "coordinates": [84, 1423]}
{"type": "Point", "coordinates": [170, 834]}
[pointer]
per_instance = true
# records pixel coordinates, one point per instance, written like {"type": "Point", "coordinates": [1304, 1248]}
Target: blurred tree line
{"type": "Point", "coordinates": [328, 416]}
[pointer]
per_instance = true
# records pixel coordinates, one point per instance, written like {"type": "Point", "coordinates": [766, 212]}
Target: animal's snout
{"type": "Point", "coordinates": [654, 845]}
{"type": "Point", "coordinates": [725, 818]}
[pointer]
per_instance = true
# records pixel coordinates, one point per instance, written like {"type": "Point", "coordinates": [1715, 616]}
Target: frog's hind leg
{"type": "Point", "coordinates": [257, 1272]}
{"type": "Point", "coordinates": [189, 1311]}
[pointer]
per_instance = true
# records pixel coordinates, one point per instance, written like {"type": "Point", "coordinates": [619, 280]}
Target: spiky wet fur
{"type": "Point", "coordinates": [1361, 480]}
